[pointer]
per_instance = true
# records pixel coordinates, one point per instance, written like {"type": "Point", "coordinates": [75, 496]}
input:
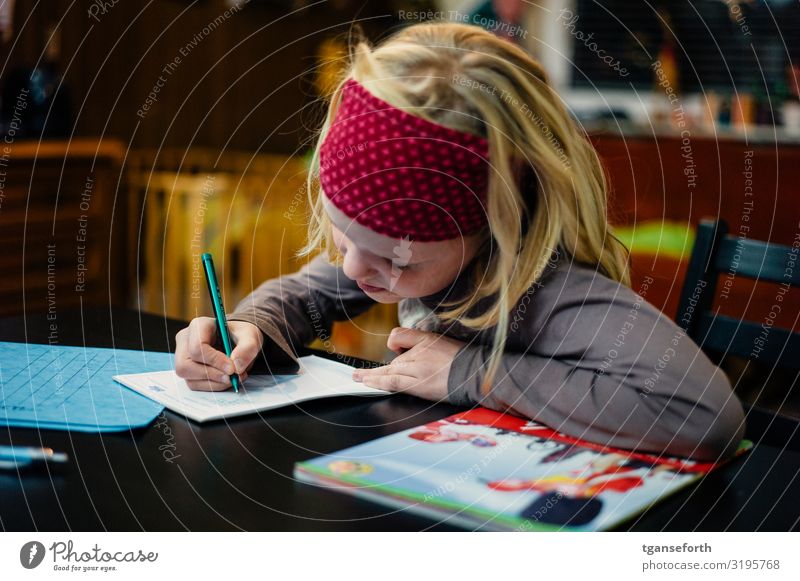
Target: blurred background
{"type": "Point", "coordinates": [138, 134]}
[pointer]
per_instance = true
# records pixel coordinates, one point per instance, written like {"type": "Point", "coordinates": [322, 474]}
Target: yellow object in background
{"type": "Point", "coordinates": [332, 57]}
{"type": "Point", "coordinates": [659, 238]}
{"type": "Point", "coordinates": [743, 109]}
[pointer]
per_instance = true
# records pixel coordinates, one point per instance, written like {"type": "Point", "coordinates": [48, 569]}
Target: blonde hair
{"type": "Point", "coordinates": [466, 78]}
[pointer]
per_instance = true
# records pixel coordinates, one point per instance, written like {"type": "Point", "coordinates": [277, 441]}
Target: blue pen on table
{"type": "Point", "coordinates": [12, 457]}
{"type": "Point", "coordinates": [219, 312]}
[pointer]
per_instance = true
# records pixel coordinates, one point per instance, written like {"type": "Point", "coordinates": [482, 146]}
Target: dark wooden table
{"type": "Point", "coordinates": [237, 474]}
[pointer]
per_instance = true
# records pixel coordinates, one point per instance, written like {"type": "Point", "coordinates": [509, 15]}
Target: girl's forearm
{"type": "Point", "coordinates": [696, 416]}
{"type": "Point", "coordinates": [297, 308]}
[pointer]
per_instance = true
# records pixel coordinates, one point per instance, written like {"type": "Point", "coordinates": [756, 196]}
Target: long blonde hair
{"type": "Point", "coordinates": [464, 77]}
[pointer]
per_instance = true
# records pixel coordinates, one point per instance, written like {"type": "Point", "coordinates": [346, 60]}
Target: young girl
{"type": "Point", "coordinates": [454, 182]}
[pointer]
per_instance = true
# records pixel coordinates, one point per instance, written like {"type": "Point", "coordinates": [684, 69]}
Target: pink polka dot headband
{"type": "Point", "coordinates": [401, 175]}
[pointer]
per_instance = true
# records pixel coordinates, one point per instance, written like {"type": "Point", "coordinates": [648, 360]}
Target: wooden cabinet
{"type": "Point", "coordinates": [62, 228]}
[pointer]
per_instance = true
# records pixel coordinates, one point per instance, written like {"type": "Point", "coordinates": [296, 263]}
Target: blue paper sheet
{"type": "Point", "coordinates": [71, 388]}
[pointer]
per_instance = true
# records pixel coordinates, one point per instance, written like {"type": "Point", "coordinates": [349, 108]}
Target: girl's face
{"type": "Point", "coordinates": [391, 269]}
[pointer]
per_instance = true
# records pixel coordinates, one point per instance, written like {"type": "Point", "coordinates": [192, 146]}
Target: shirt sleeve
{"type": "Point", "coordinates": [297, 308]}
{"type": "Point", "coordinates": [614, 371]}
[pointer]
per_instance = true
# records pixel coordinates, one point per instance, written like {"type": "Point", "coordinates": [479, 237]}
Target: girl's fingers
{"type": "Point", "coordinates": [204, 329]}
{"type": "Point", "coordinates": [389, 382]}
{"type": "Point", "coordinates": [398, 366]}
{"type": "Point", "coordinates": [248, 345]}
{"type": "Point", "coordinates": [205, 385]}
{"type": "Point", "coordinates": [202, 335]}
{"type": "Point", "coordinates": [193, 371]}
{"type": "Point", "coordinates": [205, 354]}
{"type": "Point", "coordinates": [402, 339]}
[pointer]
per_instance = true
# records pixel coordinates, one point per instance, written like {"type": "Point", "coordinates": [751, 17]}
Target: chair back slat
{"type": "Point", "coordinates": [753, 341]}
{"type": "Point", "coordinates": [759, 260]}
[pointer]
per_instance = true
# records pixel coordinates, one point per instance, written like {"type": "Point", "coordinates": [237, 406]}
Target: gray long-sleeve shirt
{"type": "Point", "coordinates": [585, 355]}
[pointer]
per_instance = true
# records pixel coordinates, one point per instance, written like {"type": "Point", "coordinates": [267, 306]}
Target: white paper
{"type": "Point", "coordinates": [318, 377]}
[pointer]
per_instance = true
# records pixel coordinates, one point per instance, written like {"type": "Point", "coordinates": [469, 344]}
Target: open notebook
{"type": "Point", "coordinates": [317, 378]}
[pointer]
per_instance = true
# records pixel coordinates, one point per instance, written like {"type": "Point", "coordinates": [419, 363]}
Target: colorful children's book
{"type": "Point", "coordinates": [486, 470]}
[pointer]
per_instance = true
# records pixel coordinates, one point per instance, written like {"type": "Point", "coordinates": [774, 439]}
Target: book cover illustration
{"type": "Point", "coordinates": [484, 469]}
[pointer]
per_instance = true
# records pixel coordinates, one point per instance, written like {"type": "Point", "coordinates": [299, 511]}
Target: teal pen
{"type": "Point", "coordinates": [219, 312]}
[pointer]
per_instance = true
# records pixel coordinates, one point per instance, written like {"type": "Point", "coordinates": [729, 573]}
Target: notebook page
{"type": "Point", "coordinates": [317, 378]}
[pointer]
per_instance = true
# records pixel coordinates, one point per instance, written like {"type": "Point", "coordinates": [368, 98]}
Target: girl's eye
{"type": "Point", "coordinates": [398, 266]}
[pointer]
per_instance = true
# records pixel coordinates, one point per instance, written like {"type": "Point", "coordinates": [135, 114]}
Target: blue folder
{"type": "Point", "coordinates": [54, 387]}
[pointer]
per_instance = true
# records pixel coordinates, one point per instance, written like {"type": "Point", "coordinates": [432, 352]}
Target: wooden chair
{"type": "Point", "coordinates": [716, 252]}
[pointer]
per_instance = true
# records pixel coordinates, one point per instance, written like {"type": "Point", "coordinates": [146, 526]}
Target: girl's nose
{"type": "Point", "coordinates": [358, 265]}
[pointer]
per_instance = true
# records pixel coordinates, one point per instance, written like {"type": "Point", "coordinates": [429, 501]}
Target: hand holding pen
{"type": "Point", "coordinates": [197, 361]}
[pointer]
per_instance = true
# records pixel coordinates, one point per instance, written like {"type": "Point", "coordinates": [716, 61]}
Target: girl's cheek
{"type": "Point", "coordinates": [411, 285]}
{"type": "Point", "coordinates": [395, 280]}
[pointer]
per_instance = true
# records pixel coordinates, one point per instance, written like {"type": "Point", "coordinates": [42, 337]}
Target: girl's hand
{"type": "Point", "coordinates": [422, 367]}
{"type": "Point", "coordinates": [206, 369]}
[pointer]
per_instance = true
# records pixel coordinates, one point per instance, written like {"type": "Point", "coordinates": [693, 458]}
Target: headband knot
{"type": "Point", "coordinates": [402, 175]}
